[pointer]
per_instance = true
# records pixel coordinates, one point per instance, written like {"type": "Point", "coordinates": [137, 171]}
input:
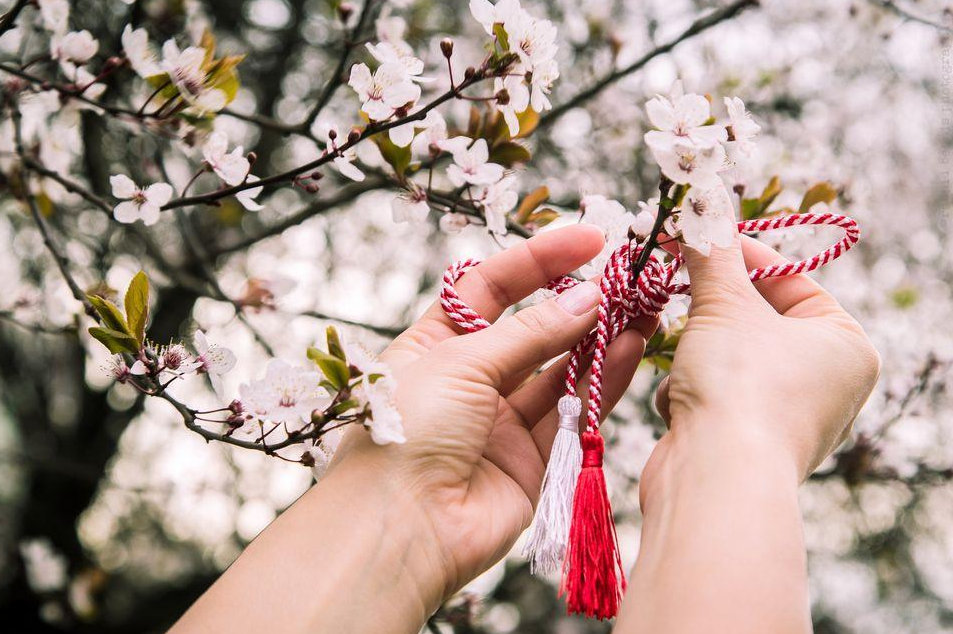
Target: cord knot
{"type": "Point", "coordinates": [593, 448]}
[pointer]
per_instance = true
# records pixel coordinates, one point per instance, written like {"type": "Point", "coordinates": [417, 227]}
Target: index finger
{"type": "Point", "coordinates": [499, 282]}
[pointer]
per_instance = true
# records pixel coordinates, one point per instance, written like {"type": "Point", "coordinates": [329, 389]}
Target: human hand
{"type": "Point", "coordinates": [478, 433]}
{"type": "Point", "coordinates": [776, 366]}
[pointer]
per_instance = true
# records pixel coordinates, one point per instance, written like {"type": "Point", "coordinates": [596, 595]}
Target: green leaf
{"type": "Point", "coordinates": [344, 406]}
{"type": "Point", "coordinates": [397, 157]}
{"type": "Point", "coordinates": [110, 314]}
{"type": "Point", "coordinates": [819, 193]}
{"type": "Point", "coordinates": [334, 343]}
{"type": "Point", "coordinates": [137, 306]}
{"type": "Point", "coordinates": [528, 119]}
{"type": "Point", "coordinates": [530, 202]}
{"type": "Point", "coordinates": [752, 208]}
{"type": "Point", "coordinates": [509, 154]}
{"type": "Point", "coordinates": [542, 217]}
{"type": "Point", "coordinates": [114, 340]}
{"type": "Point", "coordinates": [335, 370]}
{"type": "Point", "coordinates": [501, 36]}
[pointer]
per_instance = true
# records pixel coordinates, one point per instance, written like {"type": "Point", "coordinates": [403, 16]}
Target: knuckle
{"type": "Point", "coordinates": [534, 320]}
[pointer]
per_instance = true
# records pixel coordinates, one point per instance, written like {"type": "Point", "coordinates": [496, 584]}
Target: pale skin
{"type": "Point", "coordinates": [766, 382]}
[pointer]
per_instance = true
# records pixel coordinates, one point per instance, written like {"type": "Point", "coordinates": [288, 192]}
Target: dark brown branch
{"type": "Point", "coordinates": [8, 20]}
{"type": "Point", "coordinates": [42, 226]}
{"type": "Point", "coordinates": [906, 14]}
{"type": "Point", "coordinates": [335, 80]}
{"type": "Point", "coordinates": [698, 26]}
{"type": "Point", "coordinates": [367, 132]}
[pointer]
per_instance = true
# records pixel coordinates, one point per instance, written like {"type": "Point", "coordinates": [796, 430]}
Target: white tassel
{"type": "Point", "coordinates": [550, 533]}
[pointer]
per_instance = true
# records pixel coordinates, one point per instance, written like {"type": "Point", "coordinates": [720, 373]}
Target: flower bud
{"type": "Point", "coordinates": [345, 11]}
{"type": "Point", "coordinates": [469, 73]}
{"type": "Point", "coordinates": [332, 134]}
{"type": "Point", "coordinates": [446, 47]}
{"type": "Point", "coordinates": [503, 97]}
{"type": "Point", "coordinates": [312, 188]}
{"type": "Point", "coordinates": [353, 136]}
{"type": "Point", "coordinates": [251, 157]}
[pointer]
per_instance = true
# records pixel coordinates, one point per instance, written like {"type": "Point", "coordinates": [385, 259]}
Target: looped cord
{"type": "Point", "coordinates": [623, 302]}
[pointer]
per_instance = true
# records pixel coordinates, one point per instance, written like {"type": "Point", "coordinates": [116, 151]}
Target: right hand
{"type": "Point", "coordinates": [776, 366]}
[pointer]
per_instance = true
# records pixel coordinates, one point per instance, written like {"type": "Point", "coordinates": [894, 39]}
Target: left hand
{"type": "Point", "coordinates": [478, 432]}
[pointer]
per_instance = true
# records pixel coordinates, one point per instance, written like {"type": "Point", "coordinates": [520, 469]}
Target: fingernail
{"type": "Point", "coordinates": [579, 299]}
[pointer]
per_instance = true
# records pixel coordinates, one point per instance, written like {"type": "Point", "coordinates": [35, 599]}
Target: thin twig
{"type": "Point", "coordinates": [41, 224]}
{"type": "Point", "coordinates": [8, 20]}
{"type": "Point", "coordinates": [906, 14]}
{"type": "Point", "coordinates": [337, 78]}
{"type": "Point", "coordinates": [367, 132]}
{"type": "Point", "coordinates": [701, 24]}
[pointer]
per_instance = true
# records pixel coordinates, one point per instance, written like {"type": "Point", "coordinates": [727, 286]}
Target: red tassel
{"type": "Point", "coordinates": [593, 579]}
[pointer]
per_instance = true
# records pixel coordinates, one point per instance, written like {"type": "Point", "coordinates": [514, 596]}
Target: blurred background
{"type": "Point", "coordinates": [114, 517]}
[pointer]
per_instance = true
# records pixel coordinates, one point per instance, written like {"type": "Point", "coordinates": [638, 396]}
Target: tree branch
{"type": "Point", "coordinates": [698, 26]}
{"type": "Point", "coordinates": [335, 80]}
{"type": "Point", "coordinates": [906, 14]}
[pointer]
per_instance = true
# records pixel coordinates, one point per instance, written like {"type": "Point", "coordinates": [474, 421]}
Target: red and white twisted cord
{"type": "Point", "coordinates": [622, 302]}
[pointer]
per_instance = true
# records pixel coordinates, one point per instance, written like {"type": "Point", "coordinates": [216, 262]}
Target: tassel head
{"type": "Point", "coordinates": [593, 579]}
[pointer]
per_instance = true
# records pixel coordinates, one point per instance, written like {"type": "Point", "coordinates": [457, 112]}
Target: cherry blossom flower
{"type": "Point", "coordinates": [453, 223]}
{"type": "Point", "coordinates": [519, 100]}
{"type": "Point", "coordinates": [344, 161]}
{"type": "Point", "coordinates": [434, 130]}
{"type": "Point", "coordinates": [142, 59]}
{"type": "Point", "coordinates": [376, 389]}
{"type": "Point", "coordinates": [55, 15]}
{"type": "Point", "coordinates": [681, 119]}
{"type": "Point", "coordinates": [388, 88]}
{"type": "Point", "coordinates": [497, 200]}
{"type": "Point", "coordinates": [644, 221]}
{"type": "Point", "coordinates": [470, 163]}
{"type": "Point", "coordinates": [410, 206]}
{"type": "Point", "coordinates": [534, 41]}
{"type": "Point", "coordinates": [212, 359]}
{"type": "Point", "coordinates": [246, 197]}
{"type": "Point", "coordinates": [690, 164]}
{"type": "Point", "coordinates": [75, 47]}
{"type": "Point", "coordinates": [741, 133]}
{"type": "Point", "coordinates": [185, 70]}
{"type": "Point", "coordinates": [488, 14]}
{"type": "Point", "coordinates": [614, 220]}
{"type": "Point", "coordinates": [138, 203]}
{"type": "Point", "coordinates": [117, 368]}
{"type": "Point", "coordinates": [707, 217]}
{"type": "Point", "coordinates": [398, 53]}
{"type": "Point", "coordinates": [287, 395]}
{"type": "Point", "coordinates": [175, 358]}
{"type": "Point", "coordinates": [232, 167]}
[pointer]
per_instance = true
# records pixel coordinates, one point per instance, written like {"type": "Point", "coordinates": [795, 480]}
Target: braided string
{"type": "Point", "coordinates": [622, 302]}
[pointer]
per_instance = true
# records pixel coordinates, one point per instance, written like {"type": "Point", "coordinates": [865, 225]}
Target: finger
{"type": "Point", "coordinates": [538, 397]}
{"type": "Point", "coordinates": [499, 282]}
{"type": "Point", "coordinates": [531, 336]}
{"type": "Point", "coordinates": [718, 276]}
{"type": "Point", "coordinates": [622, 360]}
{"type": "Point", "coordinates": [791, 295]}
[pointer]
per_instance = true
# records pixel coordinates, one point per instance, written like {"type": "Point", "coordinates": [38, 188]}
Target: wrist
{"type": "Point", "coordinates": [394, 565]}
{"type": "Point", "coordinates": [713, 448]}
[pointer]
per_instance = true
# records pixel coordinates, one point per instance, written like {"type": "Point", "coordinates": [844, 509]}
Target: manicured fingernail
{"type": "Point", "coordinates": [579, 299]}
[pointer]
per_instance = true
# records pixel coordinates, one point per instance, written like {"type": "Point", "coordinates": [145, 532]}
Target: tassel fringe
{"type": "Point", "coordinates": [547, 541]}
{"type": "Point", "coordinates": [593, 579]}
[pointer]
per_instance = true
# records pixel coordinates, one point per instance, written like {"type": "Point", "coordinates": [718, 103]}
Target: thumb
{"type": "Point", "coordinates": [535, 334]}
{"type": "Point", "coordinates": [718, 277]}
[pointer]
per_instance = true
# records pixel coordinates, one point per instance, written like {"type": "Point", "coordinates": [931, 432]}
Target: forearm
{"type": "Point", "coordinates": [722, 546]}
{"type": "Point", "coordinates": [344, 558]}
